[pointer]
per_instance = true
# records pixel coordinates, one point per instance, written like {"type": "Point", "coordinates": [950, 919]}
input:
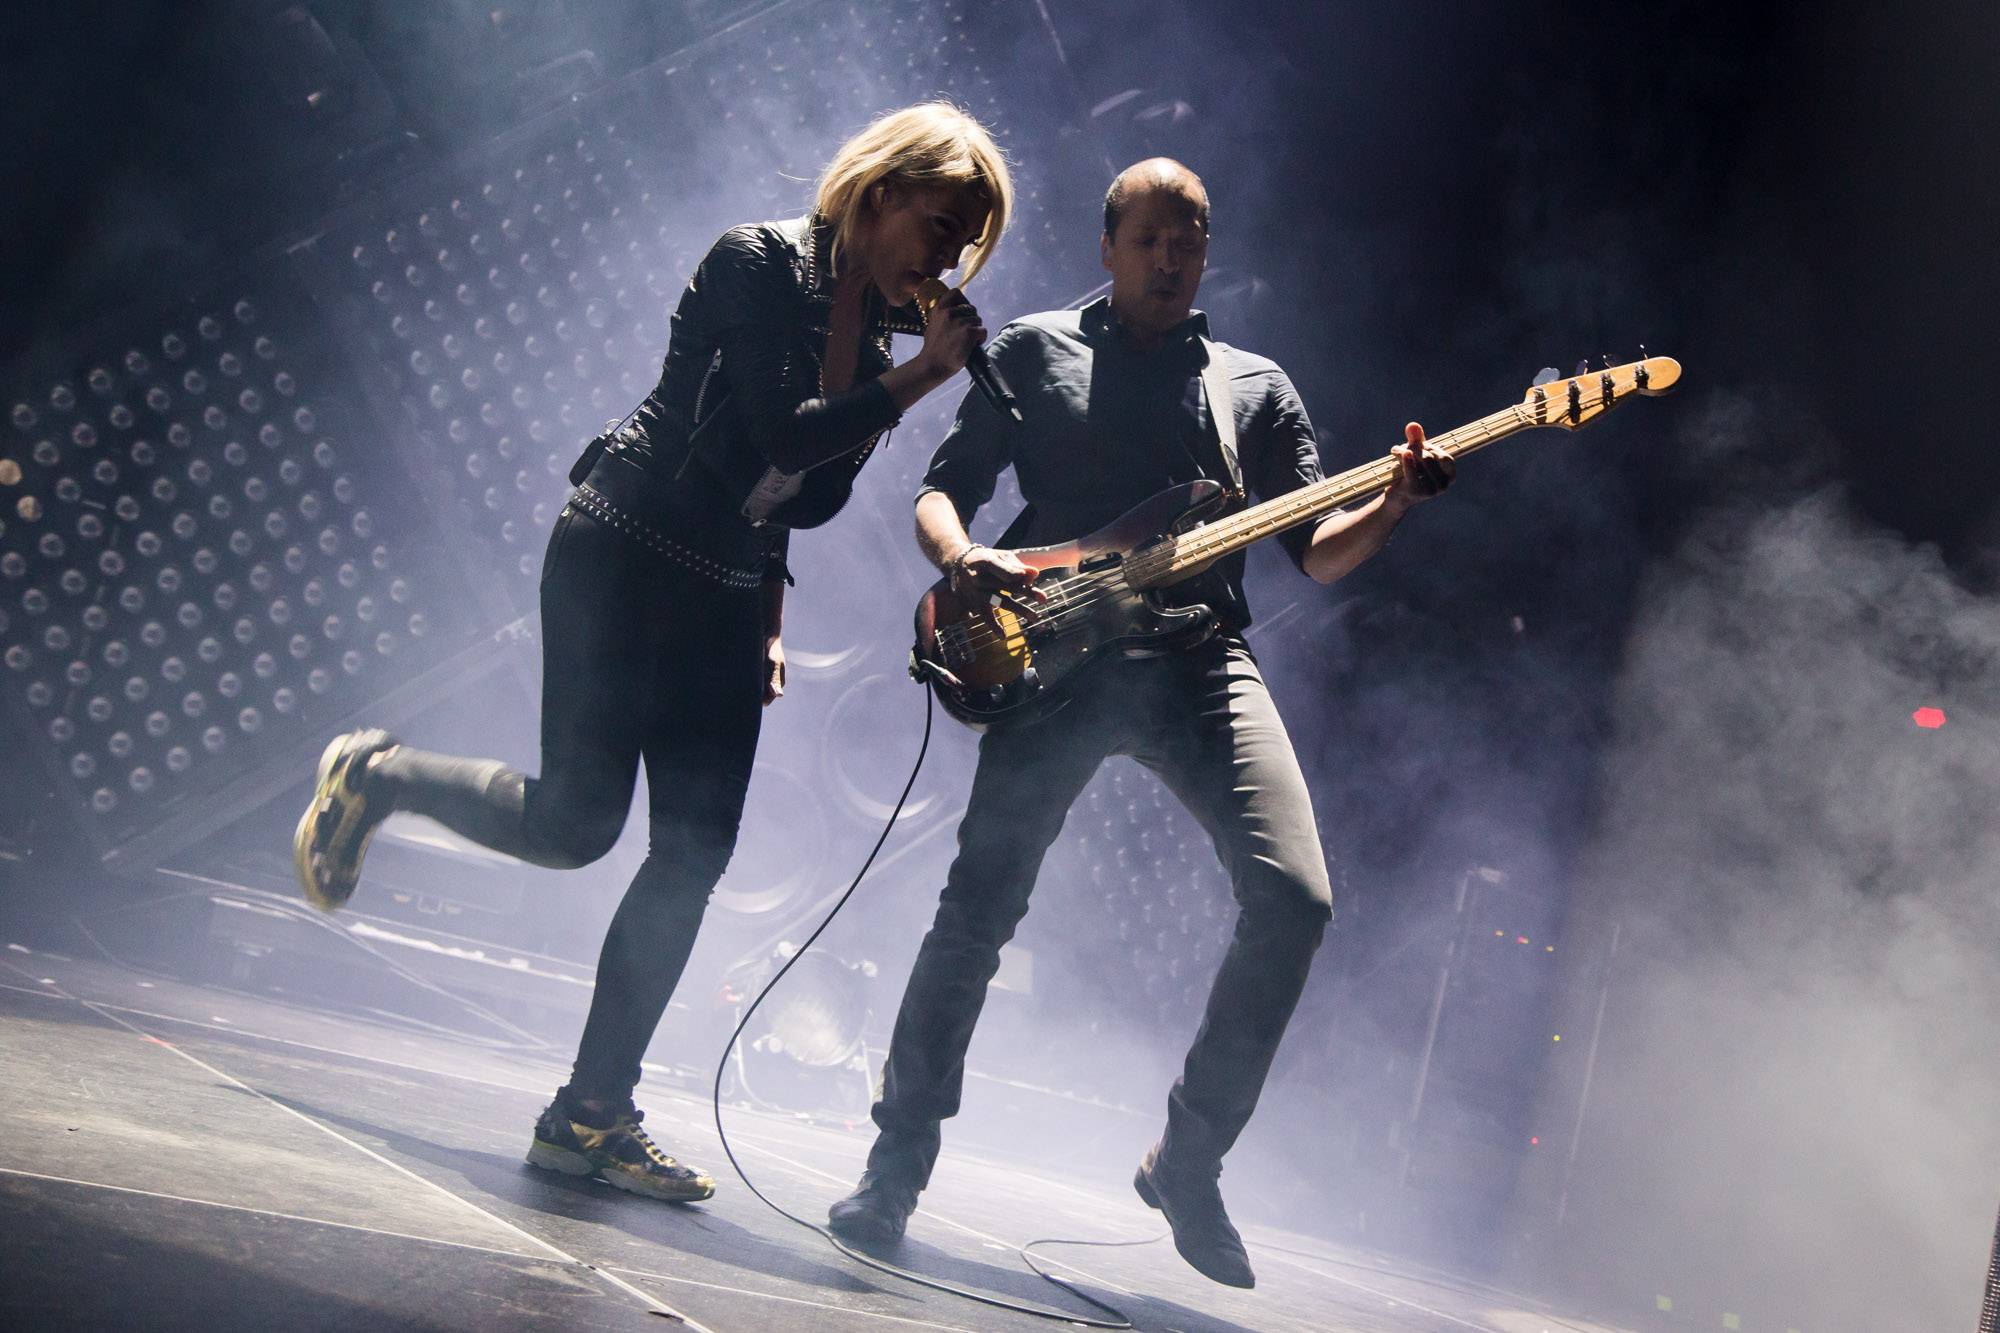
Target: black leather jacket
{"type": "Point", "coordinates": [740, 391]}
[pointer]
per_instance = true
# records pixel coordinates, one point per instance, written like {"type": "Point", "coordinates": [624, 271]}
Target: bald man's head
{"type": "Point", "coordinates": [1155, 246]}
{"type": "Point", "coordinates": [1161, 176]}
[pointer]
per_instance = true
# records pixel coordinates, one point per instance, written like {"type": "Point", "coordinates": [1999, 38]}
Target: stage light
{"type": "Point", "coordinates": [1929, 718]}
{"type": "Point", "coordinates": [817, 1016]}
{"type": "Point", "coordinates": [483, 294]}
{"type": "Point", "coordinates": [168, 521]}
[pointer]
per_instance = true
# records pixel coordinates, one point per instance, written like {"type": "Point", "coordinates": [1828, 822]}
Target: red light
{"type": "Point", "coordinates": [1535, 1142]}
{"type": "Point", "coordinates": [1929, 718]}
{"type": "Point", "coordinates": [1520, 939]}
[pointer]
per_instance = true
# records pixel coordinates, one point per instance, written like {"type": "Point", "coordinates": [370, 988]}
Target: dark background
{"type": "Point", "coordinates": [1805, 192]}
{"type": "Point", "coordinates": [1416, 207]}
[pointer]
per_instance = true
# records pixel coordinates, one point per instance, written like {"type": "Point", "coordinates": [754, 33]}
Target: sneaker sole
{"type": "Point", "coordinates": [327, 800]}
{"type": "Point", "coordinates": [618, 1180]}
{"type": "Point", "coordinates": [549, 1157]}
{"type": "Point", "coordinates": [302, 835]}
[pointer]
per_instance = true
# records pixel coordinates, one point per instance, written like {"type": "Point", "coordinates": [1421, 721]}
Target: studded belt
{"type": "Point", "coordinates": [588, 501]}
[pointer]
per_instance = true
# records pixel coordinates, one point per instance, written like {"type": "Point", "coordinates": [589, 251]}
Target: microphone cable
{"type": "Point", "coordinates": [1116, 1318]}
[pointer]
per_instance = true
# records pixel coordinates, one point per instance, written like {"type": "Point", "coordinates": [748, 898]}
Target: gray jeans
{"type": "Point", "coordinates": [1205, 723]}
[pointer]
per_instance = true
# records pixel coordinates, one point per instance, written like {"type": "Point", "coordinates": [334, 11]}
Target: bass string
{"type": "Point", "coordinates": [978, 635]}
{"type": "Point", "coordinates": [1294, 510]}
{"type": "Point", "coordinates": [1289, 511]}
{"type": "Point", "coordinates": [1123, 579]}
{"type": "Point", "coordinates": [1064, 592]}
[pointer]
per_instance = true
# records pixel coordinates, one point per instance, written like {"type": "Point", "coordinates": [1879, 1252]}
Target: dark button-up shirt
{"type": "Point", "coordinates": [1109, 425]}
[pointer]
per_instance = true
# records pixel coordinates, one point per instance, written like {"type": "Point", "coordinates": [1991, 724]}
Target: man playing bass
{"type": "Point", "coordinates": [1121, 401]}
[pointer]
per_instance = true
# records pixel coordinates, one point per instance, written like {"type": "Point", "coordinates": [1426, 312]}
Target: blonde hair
{"type": "Point", "coordinates": [932, 143]}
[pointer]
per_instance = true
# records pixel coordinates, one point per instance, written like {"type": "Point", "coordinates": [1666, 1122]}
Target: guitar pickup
{"type": "Point", "coordinates": [1109, 560]}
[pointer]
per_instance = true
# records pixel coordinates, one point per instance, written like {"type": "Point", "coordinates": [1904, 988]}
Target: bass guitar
{"type": "Point", "coordinates": [1006, 659]}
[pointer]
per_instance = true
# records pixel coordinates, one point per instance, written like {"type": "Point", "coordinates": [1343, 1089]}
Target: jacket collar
{"type": "Point", "coordinates": [809, 240]}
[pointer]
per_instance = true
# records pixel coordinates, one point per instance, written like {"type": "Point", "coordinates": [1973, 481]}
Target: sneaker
{"type": "Point", "coordinates": [334, 833]}
{"type": "Point", "coordinates": [1192, 1201]}
{"type": "Point", "coordinates": [621, 1155]}
{"type": "Point", "coordinates": [877, 1211]}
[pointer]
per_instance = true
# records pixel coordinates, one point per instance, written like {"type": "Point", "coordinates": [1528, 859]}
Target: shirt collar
{"type": "Point", "coordinates": [1098, 323]}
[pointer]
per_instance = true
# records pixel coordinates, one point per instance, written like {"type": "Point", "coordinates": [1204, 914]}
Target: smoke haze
{"type": "Point", "coordinates": [1797, 1106]}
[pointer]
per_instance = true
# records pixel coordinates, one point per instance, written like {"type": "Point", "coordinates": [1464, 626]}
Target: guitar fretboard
{"type": "Point", "coordinates": [1190, 552]}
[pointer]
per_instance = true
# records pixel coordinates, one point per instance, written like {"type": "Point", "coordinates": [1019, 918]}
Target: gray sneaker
{"type": "Point", "coordinates": [621, 1155]}
{"type": "Point", "coordinates": [340, 821]}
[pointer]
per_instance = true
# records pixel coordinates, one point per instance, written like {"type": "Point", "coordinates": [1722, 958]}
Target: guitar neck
{"type": "Point", "coordinates": [1188, 553]}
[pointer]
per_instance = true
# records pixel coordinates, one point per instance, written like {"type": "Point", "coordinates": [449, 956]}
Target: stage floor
{"type": "Point", "coordinates": [174, 1156]}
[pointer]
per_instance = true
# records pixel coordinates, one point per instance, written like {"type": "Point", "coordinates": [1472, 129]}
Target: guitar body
{"type": "Point", "coordinates": [1012, 660]}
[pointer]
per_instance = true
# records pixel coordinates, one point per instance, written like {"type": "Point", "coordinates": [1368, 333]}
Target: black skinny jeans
{"type": "Point", "coordinates": [643, 660]}
{"type": "Point", "coordinates": [1205, 723]}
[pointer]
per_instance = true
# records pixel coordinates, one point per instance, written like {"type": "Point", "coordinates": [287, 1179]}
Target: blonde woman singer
{"type": "Point", "coordinates": [663, 587]}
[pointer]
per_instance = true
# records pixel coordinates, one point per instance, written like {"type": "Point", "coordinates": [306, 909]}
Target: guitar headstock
{"type": "Point", "coordinates": [1588, 395]}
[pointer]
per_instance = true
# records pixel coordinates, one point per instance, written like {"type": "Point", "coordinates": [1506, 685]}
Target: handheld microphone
{"type": "Point", "coordinates": [930, 293]}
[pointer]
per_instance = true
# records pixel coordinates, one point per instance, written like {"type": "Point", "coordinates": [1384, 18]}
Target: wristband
{"type": "Point", "coordinates": [957, 561]}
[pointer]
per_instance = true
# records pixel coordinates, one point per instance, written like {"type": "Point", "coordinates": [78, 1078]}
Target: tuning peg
{"type": "Point", "coordinates": [1547, 375]}
{"type": "Point", "coordinates": [1642, 351]}
{"type": "Point", "coordinates": [1583, 366]}
{"type": "Point", "coordinates": [1604, 361]}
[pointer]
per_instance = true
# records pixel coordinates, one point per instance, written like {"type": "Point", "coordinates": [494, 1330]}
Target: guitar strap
{"type": "Point", "coordinates": [1221, 410]}
{"type": "Point", "coordinates": [1017, 530]}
